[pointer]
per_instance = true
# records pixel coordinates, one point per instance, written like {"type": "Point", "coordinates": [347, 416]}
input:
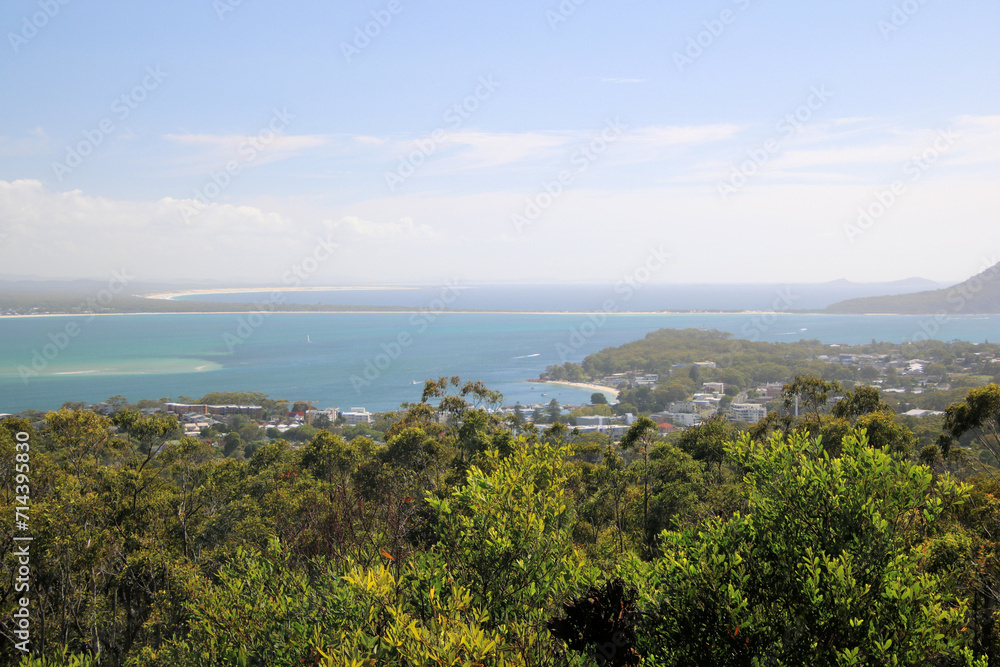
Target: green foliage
{"type": "Point", "coordinates": [465, 535]}
{"type": "Point", "coordinates": [505, 535]}
{"type": "Point", "coordinates": [63, 659]}
{"type": "Point", "coordinates": [978, 414]}
{"type": "Point", "coordinates": [707, 441]}
{"type": "Point", "coordinates": [862, 401]}
{"type": "Point", "coordinates": [821, 569]}
{"type": "Point", "coordinates": [263, 611]}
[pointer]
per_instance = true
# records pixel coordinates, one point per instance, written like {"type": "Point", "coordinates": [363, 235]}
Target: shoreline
{"type": "Point", "coordinates": [452, 312]}
{"type": "Point", "coordinates": [582, 385]}
{"type": "Point", "coordinates": [408, 312]}
{"type": "Point", "coordinates": [169, 296]}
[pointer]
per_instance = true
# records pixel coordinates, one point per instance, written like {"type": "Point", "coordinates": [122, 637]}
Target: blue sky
{"type": "Point", "coordinates": [754, 141]}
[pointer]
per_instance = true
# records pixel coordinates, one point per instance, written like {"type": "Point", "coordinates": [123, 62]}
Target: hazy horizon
{"type": "Point", "coordinates": [563, 142]}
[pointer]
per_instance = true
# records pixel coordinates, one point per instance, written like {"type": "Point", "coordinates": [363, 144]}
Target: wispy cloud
{"type": "Point", "coordinates": [352, 228]}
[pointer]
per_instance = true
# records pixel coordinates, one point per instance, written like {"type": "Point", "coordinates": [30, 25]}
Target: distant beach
{"type": "Point", "coordinates": [262, 290]}
{"type": "Point", "coordinates": [584, 385]}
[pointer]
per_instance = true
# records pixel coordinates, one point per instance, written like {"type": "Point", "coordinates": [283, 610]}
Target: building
{"type": "Point", "coordinates": [614, 430]}
{"type": "Point", "coordinates": [666, 428]}
{"type": "Point", "coordinates": [595, 420]}
{"type": "Point", "coordinates": [251, 411]}
{"type": "Point", "coordinates": [356, 416]}
{"type": "Point", "coordinates": [647, 380]}
{"type": "Point", "coordinates": [747, 412]}
{"type": "Point", "coordinates": [330, 413]}
{"type": "Point", "coordinates": [685, 419]}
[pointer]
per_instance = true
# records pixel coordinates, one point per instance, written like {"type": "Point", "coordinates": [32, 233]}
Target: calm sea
{"type": "Point", "coordinates": [375, 360]}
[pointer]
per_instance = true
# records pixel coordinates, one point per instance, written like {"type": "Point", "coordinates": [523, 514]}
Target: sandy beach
{"type": "Point", "coordinates": [585, 385]}
{"type": "Point", "coordinates": [262, 290]}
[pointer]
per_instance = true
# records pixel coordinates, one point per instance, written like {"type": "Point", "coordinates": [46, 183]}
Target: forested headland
{"type": "Point", "coordinates": [978, 294]}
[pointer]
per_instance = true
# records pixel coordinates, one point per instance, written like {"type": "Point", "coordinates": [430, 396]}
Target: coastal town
{"type": "Point", "coordinates": [917, 387]}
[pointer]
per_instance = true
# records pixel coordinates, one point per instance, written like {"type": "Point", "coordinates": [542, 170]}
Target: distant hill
{"type": "Point", "coordinates": [979, 294]}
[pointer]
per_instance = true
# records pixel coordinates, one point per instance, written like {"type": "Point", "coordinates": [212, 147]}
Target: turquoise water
{"type": "Point", "coordinates": [324, 357]}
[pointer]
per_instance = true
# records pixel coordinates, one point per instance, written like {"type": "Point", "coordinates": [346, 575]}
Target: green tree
{"type": "Point", "coordinates": [504, 534]}
{"type": "Point", "coordinates": [812, 392]}
{"type": "Point", "coordinates": [821, 569]}
{"type": "Point", "coordinates": [641, 435]}
{"type": "Point", "coordinates": [862, 401]}
{"type": "Point", "coordinates": [232, 442]}
{"type": "Point", "coordinates": [329, 458]}
{"type": "Point", "coordinates": [978, 415]}
{"type": "Point", "coordinates": [707, 441]}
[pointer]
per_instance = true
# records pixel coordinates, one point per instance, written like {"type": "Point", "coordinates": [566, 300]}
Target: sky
{"type": "Point", "coordinates": [398, 142]}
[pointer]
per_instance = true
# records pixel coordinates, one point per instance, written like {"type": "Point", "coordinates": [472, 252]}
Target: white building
{"type": "Point", "coordinates": [747, 412]}
{"type": "Point", "coordinates": [685, 419]}
{"type": "Point", "coordinates": [356, 416]}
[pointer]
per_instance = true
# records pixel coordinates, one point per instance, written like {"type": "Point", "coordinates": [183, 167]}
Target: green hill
{"type": "Point", "coordinates": [979, 294]}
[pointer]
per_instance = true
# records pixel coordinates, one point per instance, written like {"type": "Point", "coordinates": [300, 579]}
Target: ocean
{"type": "Point", "coordinates": [374, 360]}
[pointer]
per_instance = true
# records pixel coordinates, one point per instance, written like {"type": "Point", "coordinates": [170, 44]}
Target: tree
{"type": "Point", "coordinates": [329, 457]}
{"type": "Point", "coordinates": [527, 562]}
{"type": "Point", "coordinates": [812, 391]}
{"type": "Point", "coordinates": [413, 450]}
{"type": "Point", "coordinates": [820, 569]}
{"type": "Point", "coordinates": [554, 411]}
{"type": "Point", "coordinates": [886, 433]}
{"type": "Point", "coordinates": [641, 435]}
{"type": "Point", "coordinates": [598, 398]}
{"type": "Point", "coordinates": [862, 401]}
{"type": "Point", "coordinates": [706, 442]}
{"type": "Point", "coordinates": [979, 415]}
